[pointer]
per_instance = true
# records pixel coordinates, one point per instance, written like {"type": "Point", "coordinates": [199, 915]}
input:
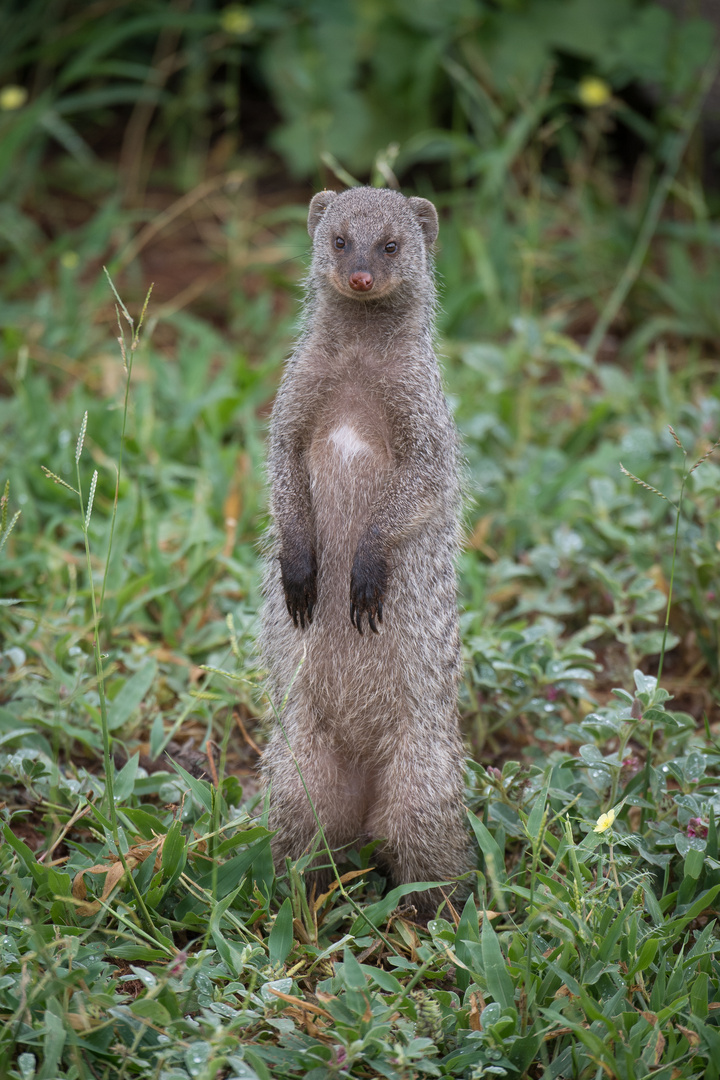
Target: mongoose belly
{"type": "Point", "coordinates": [348, 463]}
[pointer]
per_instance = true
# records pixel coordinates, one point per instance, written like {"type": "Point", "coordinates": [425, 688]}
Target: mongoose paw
{"type": "Point", "coordinates": [299, 580]}
{"type": "Point", "coordinates": [367, 590]}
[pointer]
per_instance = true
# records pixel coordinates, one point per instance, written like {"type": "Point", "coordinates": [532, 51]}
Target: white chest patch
{"type": "Point", "coordinates": [348, 442]}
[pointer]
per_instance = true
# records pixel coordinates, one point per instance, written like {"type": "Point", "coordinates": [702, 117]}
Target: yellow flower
{"type": "Point", "coordinates": [236, 20]}
{"type": "Point", "coordinates": [605, 821]}
{"type": "Point", "coordinates": [12, 97]}
{"type": "Point", "coordinates": [69, 259]}
{"type": "Point", "coordinates": [593, 92]}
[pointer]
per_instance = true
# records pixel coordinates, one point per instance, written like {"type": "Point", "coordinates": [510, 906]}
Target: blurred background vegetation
{"type": "Point", "coordinates": [571, 148]}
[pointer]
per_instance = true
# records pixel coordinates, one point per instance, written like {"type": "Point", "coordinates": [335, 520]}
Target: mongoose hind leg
{"type": "Point", "coordinates": [336, 793]}
{"type": "Point", "coordinates": [419, 814]}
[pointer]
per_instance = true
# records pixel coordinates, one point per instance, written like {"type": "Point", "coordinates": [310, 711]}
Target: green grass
{"type": "Point", "coordinates": [145, 931]}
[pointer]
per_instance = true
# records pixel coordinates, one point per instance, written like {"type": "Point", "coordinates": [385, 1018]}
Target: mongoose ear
{"type": "Point", "coordinates": [426, 214]}
{"type": "Point", "coordinates": [318, 205]}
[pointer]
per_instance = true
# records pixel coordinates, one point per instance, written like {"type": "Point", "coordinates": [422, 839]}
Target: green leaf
{"type": "Point", "coordinates": [151, 1010]}
{"type": "Point", "coordinates": [693, 767]}
{"type": "Point", "coordinates": [33, 867]}
{"type": "Point", "coordinates": [280, 939]}
{"type": "Point", "coordinates": [257, 1063]}
{"type": "Point", "coordinates": [534, 821]}
{"type": "Point", "coordinates": [352, 973]}
{"type": "Point", "coordinates": [699, 995]}
{"type": "Point", "coordinates": [143, 822]}
{"type": "Point", "coordinates": [499, 983]}
{"type": "Point", "coordinates": [231, 873]}
{"type": "Point", "coordinates": [693, 864]}
{"type": "Point", "coordinates": [125, 779]}
{"type": "Point", "coordinates": [469, 925]}
{"type": "Point", "coordinates": [129, 951]}
{"type": "Point", "coordinates": [131, 695]}
{"type": "Point", "coordinates": [157, 735]}
{"type": "Point", "coordinates": [494, 858]}
{"type": "Point", "coordinates": [648, 952]}
{"type": "Point", "coordinates": [644, 684]}
{"type": "Point", "coordinates": [703, 902]}
{"type": "Point", "coordinates": [610, 938]}
{"type": "Point", "coordinates": [375, 914]}
{"type": "Point", "coordinates": [712, 837]}
{"type": "Point", "coordinates": [53, 1043]}
{"type": "Point", "coordinates": [200, 789]}
{"type": "Point", "coordinates": [383, 979]}
{"type": "Point", "coordinates": [174, 854]}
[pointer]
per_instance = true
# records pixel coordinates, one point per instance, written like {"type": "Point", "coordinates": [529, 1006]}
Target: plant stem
{"type": "Point", "coordinates": [108, 763]}
{"type": "Point", "coordinates": [651, 733]}
{"type": "Point", "coordinates": [128, 361]}
{"type": "Point", "coordinates": [672, 576]}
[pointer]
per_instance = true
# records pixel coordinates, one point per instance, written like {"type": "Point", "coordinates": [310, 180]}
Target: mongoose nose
{"type": "Point", "coordinates": [360, 281]}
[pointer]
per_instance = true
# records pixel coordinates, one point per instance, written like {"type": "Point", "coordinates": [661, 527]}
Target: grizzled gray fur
{"type": "Point", "coordinates": [360, 577]}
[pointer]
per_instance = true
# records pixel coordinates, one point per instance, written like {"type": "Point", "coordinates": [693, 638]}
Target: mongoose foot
{"type": "Point", "coordinates": [368, 582]}
{"type": "Point", "coordinates": [299, 579]}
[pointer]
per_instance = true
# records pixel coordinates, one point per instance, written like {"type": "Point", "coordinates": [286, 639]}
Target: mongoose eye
{"type": "Point", "coordinates": [391, 248]}
{"type": "Point", "coordinates": [339, 242]}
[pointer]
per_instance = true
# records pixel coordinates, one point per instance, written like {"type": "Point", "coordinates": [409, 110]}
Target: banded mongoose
{"type": "Point", "coordinates": [360, 582]}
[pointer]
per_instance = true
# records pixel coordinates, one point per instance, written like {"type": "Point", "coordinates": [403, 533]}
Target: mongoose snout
{"type": "Point", "coordinates": [361, 282]}
{"type": "Point", "coordinates": [363, 467]}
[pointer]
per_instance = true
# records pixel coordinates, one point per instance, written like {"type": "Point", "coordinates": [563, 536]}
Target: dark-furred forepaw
{"type": "Point", "coordinates": [368, 582]}
{"type": "Point", "coordinates": [299, 580]}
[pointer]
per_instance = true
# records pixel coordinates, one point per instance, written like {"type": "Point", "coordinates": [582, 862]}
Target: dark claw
{"type": "Point", "coordinates": [379, 612]}
{"type": "Point", "coordinates": [371, 621]}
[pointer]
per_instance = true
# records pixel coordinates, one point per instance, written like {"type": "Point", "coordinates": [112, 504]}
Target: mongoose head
{"type": "Point", "coordinates": [371, 243]}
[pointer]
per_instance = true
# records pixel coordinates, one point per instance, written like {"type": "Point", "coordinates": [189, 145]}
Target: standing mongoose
{"type": "Point", "coordinates": [360, 625]}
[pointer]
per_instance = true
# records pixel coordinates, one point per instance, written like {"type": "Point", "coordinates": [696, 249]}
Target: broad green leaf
{"type": "Point", "coordinates": [157, 735]}
{"type": "Point", "coordinates": [352, 973]}
{"type": "Point", "coordinates": [499, 983]}
{"type": "Point", "coordinates": [145, 823]}
{"type": "Point", "coordinates": [33, 867]}
{"type": "Point", "coordinates": [174, 853]}
{"type": "Point", "coordinates": [151, 1010]}
{"type": "Point", "coordinates": [467, 934]}
{"type": "Point", "coordinates": [53, 1044]}
{"type": "Point", "coordinates": [376, 914]}
{"type": "Point", "coordinates": [125, 780]}
{"type": "Point", "coordinates": [699, 995]}
{"type": "Point", "coordinates": [200, 789]}
{"type": "Point", "coordinates": [534, 821]}
{"type": "Point", "coordinates": [130, 696]}
{"type": "Point", "coordinates": [644, 684]}
{"type": "Point", "coordinates": [280, 939]}
{"type": "Point", "coordinates": [494, 858]}
{"type": "Point", "coordinates": [383, 979]}
{"type": "Point", "coordinates": [231, 873]}
{"type": "Point", "coordinates": [612, 935]}
{"type": "Point", "coordinates": [693, 863]}
{"type": "Point", "coordinates": [704, 901]}
{"type": "Point", "coordinates": [693, 766]}
{"type": "Point", "coordinates": [648, 952]}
